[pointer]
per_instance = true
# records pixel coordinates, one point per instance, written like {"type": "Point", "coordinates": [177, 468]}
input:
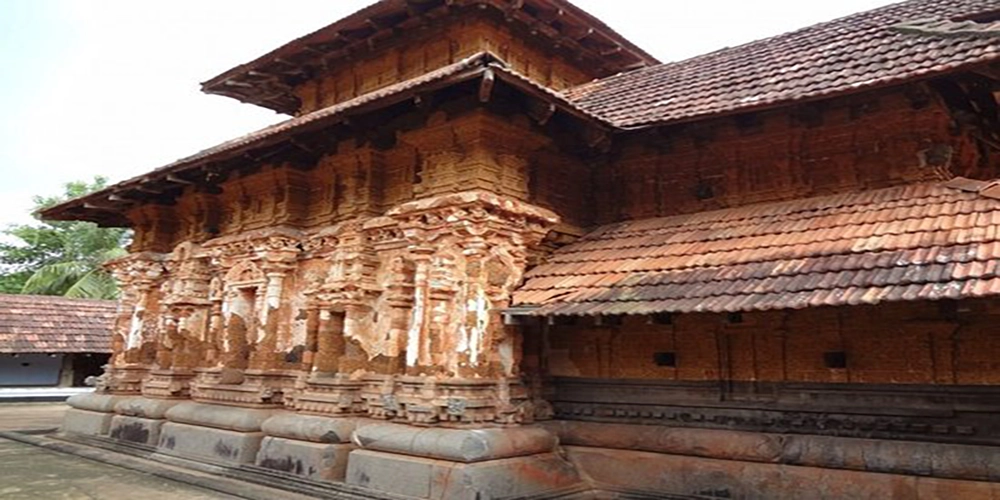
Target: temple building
{"type": "Point", "coordinates": [499, 251]}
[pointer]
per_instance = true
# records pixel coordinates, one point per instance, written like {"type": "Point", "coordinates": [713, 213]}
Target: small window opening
{"type": "Point", "coordinates": [667, 358]}
{"type": "Point", "coordinates": [611, 320]}
{"type": "Point", "coordinates": [662, 319]}
{"type": "Point", "coordinates": [835, 359]}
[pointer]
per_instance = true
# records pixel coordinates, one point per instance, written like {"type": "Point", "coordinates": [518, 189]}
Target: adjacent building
{"type": "Point", "coordinates": [52, 342]}
{"type": "Point", "coordinates": [498, 251]}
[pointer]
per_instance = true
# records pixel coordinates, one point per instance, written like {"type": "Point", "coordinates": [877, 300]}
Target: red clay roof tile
{"type": "Point", "coordinates": [866, 50]}
{"type": "Point", "coordinates": [44, 324]}
{"type": "Point", "coordinates": [748, 258]}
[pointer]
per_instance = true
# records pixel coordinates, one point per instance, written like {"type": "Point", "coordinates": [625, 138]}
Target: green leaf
{"type": "Point", "coordinates": [94, 285]}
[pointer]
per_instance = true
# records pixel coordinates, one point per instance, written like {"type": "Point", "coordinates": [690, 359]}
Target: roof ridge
{"type": "Point", "coordinates": [716, 52]}
{"type": "Point", "coordinates": [861, 49]}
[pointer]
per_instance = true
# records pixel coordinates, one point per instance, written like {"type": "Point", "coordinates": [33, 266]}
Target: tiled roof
{"type": "Point", "coordinates": [36, 323]}
{"type": "Point", "coordinates": [916, 242]}
{"type": "Point", "coordinates": [471, 67]}
{"type": "Point", "coordinates": [270, 80]}
{"type": "Point", "coordinates": [853, 53]}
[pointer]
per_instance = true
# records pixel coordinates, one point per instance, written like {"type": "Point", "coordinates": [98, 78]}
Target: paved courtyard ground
{"type": "Point", "coordinates": [28, 472]}
{"type": "Point", "coordinates": [31, 416]}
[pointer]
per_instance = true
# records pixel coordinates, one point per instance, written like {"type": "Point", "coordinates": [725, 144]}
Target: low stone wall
{"type": "Point", "coordinates": [386, 459]}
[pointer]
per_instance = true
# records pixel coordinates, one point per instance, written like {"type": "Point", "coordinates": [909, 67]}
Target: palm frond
{"type": "Point", "coordinates": [54, 279]}
{"type": "Point", "coordinates": [94, 285]}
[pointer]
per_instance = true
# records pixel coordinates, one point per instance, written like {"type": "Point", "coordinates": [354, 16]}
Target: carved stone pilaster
{"type": "Point", "coordinates": [243, 318]}
{"type": "Point", "coordinates": [139, 276]}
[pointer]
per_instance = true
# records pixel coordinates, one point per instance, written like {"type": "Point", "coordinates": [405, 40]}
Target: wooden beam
{"type": "Point", "coordinates": [541, 111]}
{"type": "Point", "coordinates": [234, 83]}
{"type": "Point", "coordinates": [144, 189]}
{"type": "Point", "coordinates": [178, 180]}
{"type": "Point", "coordinates": [486, 86]}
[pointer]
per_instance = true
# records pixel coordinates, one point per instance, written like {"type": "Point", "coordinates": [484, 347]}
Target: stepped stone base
{"type": "Point", "coordinates": [136, 429]}
{"type": "Point", "coordinates": [687, 476]}
{"type": "Point", "coordinates": [327, 462]}
{"type": "Point", "coordinates": [308, 446]}
{"type": "Point", "coordinates": [87, 422]}
{"type": "Point", "coordinates": [217, 445]}
{"type": "Point", "coordinates": [417, 477]}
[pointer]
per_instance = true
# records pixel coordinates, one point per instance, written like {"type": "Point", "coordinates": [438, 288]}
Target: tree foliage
{"type": "Point", "coordinates": [59, 257]}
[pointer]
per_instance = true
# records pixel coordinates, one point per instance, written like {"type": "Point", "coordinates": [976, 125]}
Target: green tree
{"type": "Point", "coordinates": [60, 257]}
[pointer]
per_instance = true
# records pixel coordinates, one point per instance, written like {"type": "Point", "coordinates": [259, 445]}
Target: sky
{"type": "Point", "coordinates": [111, 87]}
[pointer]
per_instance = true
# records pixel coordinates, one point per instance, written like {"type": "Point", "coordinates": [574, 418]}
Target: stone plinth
{"type": "Point", "coordinates": [310, 446]}
{"type": "Point", "coordinates": [89, 423]}
{"type": "Point", "coordinates": [213, 432]}
{"type": "Point", "coordinates": [509, 462]}
{"type": "Point", "coordinates": [417, 477]}
{"type": "Point", "coordinates": [90, 414]}
{"type": "Point", "coordinates": [139, 420]}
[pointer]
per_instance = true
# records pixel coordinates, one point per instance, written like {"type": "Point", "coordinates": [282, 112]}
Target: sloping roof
{"type": "Point", "coordinates": [44, 324]}
{"type": "Point", "coordinates": [270, 79]}
{"type": "Point", "coordinates": [915, 242]}
{"type": "Point", "coordinates": [850, 54]}
{"type": "Point", "coordinates": [853, 53]}
{"type": "Point", "coordinates": [100, 205]}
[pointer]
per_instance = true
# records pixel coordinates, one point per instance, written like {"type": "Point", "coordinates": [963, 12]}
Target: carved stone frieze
{"type": "Point", "coordinates": [167, 384]}
{"type": "Point", "coordinates": [394, 315]}
{"type": "Point", "coordinates": [328, 395]}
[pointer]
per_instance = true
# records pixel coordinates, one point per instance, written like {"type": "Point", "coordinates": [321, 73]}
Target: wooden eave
{"type": "Point", "coordinates": [269, 80]}
{"type": "Point", "coordinates": [204, 170]}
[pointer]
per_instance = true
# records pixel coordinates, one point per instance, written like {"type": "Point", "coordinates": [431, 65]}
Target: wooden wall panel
{"type": "Point", "coordinates": [904, 343]}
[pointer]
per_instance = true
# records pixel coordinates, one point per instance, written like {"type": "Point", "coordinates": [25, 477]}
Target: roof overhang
{"type": "Point", "coordinates": [927, 241]}
{"type": "Point", "coordinates": [269, 80]}
{"type": "Point", "coordinates": [207, 168]}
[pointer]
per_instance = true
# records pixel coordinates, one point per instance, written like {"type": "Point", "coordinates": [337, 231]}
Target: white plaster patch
{"type": "Point", "coordinates": [506, 352]}
{"type": "Point", "coordinates": [135, 329]}
{"type": "Point", "coordinates": [416, 325]}
{"type": "Point", "coordinates": [479, 306]}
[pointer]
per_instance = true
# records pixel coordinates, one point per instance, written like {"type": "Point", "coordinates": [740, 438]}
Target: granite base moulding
{"type": "Point", "coordinates": [458, 445]}
{"type": "Point", "coordinates": [139, 419]}
{"type": "Point", "coordinates": [90, 414]}
{"type": "Point", "coordinates": [426, 478]}
{"type": "Point", "coordinates": [955, 461]}
{"type": "Point", "coordinates": [86, 422]}
{"type": "Point", "coordinates": [305, 445]}
{"type": "Point", "coordinates": [650, 474]}
{"type": "Point", "coordinates": [213, 432]}
{"type": "Point", "coordinates": [208, 443]}
{"type": "Point", "coordinates": [508, 462]}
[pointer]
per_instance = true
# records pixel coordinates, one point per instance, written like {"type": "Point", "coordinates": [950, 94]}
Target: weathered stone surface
{"type": "Point", "coordinates": [732, 445]}
{"type": "Point", "coordinates": [459, 445]}
{"type": "Point", "coordinates": [313, 460]}
{"type": "Point", "coordinates": [94, 402]}
{"type": "Point", "coordinates": [417, 477]}
{"type": "Point", "coordinates": [218, 445]}
{"type": "Point", "coordinates": [136, 429]}
{"type": "Point", "coordinates": [91, 423]}
{"type": "Point", "coordinates": [685, 475]}
{"type": "Point", "coordinates": [145, 407]}
{"type": "Point", "coordinates": [221, 417]}
{"type": "Point", "coordinates": [895, 457]}
{"type": "Point", "coordinates": [311, 428]}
